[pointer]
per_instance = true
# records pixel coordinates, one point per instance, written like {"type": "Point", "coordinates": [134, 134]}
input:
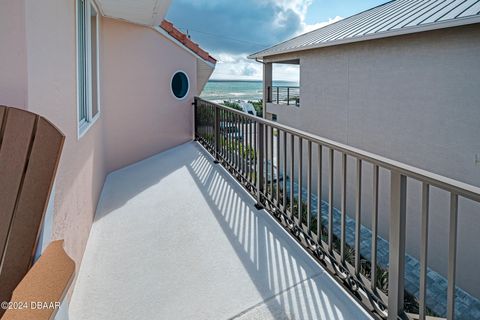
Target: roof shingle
{"type": "Point", "coordinates": [185, 40]}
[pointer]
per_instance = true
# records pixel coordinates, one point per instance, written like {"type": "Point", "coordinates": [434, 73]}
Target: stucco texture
{"type": "Point", "coordinates": [138, 114]}
{"type": "Point", "coordinates": [142, 117]}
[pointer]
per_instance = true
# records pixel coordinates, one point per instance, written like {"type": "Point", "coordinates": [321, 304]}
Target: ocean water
{"type": "Point", "coordinates": [219, 90]}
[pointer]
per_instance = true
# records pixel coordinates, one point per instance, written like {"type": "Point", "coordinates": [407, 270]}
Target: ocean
{"type": "Point", "coordinates": [219, 90]}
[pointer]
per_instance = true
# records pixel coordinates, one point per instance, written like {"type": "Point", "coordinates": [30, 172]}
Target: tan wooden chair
{"type": "Point", "coordinates": [30, 148]}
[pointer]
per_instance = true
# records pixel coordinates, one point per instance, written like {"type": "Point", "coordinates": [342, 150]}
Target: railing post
{"type": "Point", "coordinates": [278, 95]}
{"type": "Point", "coordinates": [288, 96]}
{"type": "Point", "coordinates": [396, 268]}
{"type": "Point", "coordinates": [269, 94]}
{"type": "Point", "coordinates": [260, 164]}
{"type": "Point", "coordinates": [195, 118]}
{"type": "Point", "coordinates": [217, 134]}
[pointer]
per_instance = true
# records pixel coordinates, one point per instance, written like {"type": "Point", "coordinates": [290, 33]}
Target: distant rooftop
{"type": "Point", "coordinates": [185, 40]}
{"type": "Point", "coordinates": [393, 18]}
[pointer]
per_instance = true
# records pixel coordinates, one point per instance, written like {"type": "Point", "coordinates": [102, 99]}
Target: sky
{"type": "Point", "coordinates": [230, 30]}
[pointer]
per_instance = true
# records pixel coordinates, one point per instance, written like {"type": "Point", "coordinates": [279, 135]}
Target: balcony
{"type": "Point", "coordinates": [241, 224]}
{"type": "Point", "coordinates": [177, 237]}
{"type": "Point", "coordinates": [284, 95]}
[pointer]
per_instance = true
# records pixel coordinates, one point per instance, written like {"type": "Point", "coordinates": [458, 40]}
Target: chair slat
{"type": "Point", "coordinates": [31, 205]}
{"type": "Point", "coordinates": [47, 282]}
{"type": "Point", "coordinates": [16, 139]}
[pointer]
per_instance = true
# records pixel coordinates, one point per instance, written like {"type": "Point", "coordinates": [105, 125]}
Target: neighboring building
{"type": "Point", "coordinates": [103, 72]}
{"type": "Point", "coordinates": [400, 80]}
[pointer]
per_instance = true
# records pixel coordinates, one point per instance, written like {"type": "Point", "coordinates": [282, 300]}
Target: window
{"type": "Point", "coordinates": [180, 85]}
{"type": "Point", "coordinates": [87, 64]}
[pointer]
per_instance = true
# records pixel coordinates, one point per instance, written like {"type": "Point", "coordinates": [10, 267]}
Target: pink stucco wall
{"type": "Point", "coordinates": [13, 69]}
{"type": "Point", "coordinates": [139, 115]}
{"type": "Point", "coordinates": [51, 85]}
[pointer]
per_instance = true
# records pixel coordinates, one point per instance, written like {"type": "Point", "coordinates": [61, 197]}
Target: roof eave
{"type": "Point", "coordinates": [180, 44]}
{"type": "Point", "coordinates": [387, 34]}
{"type": "Point", "coordinates": [149, 16]}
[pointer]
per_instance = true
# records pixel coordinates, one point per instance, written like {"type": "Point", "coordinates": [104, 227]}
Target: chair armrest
{"type": "Point", "coordinates": [41, 291]}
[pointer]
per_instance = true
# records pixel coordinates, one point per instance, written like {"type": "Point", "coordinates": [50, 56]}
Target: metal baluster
{"type": "Point", "coordinates": [220, 132]}
{"type": "Point", "coordinates": [237, 141]}
{"type": "Point", "coordinates": [253, 154]}
{"type": "Point", "coordinates": [284, 193]}
{"type": "Point", "coordinates": [396, 265]}
{"type": "Point", "coordinates": [300, 182]}
{"type": "Point", "coordinates": [230, 142]}
{"type": "Point", "coordinates": [242, 145]}
{"type": "Point", "coordinates": [344, 206]}
{"type": "Point", "coordinates": [309, 183]}
{"type": "Point", "coordinates": [292, 172]}
{"type": "Point", "coordinates": [265, 171]}
{"type": "Point", "coordinates": [374, 228]}
{"type": "Point", "coordinates": [255, 163]}
{"type": "Point", "coordinates": [424, 250]}
{"type": "Point", "coordinates": [210, 126]}
{"type": "Point", "coordinates": [271, 164]}
{"type": "Point", "coordinates": [278, 95]}
{"type": "Point", "coordinates": [259, 173]}
{"type": "Point", "coordinates": [288, 96]}
{"type": "Point", "coordinates": [358, 215]}
{"type": "Point", "coordinates": [319, 195]}
{"type": "Point", "coordinates": [195, 118]}
{"type": "Point", "coordinates": [452, 256]}
{"type": "Point", "coordinates": [277, 194]}
{"type": "Point", "coordinates": [217, 134]}
{"type": "Point", "coordinates": [330, 200]}
{"type": "Point", "coordinates": [232, 138]}
{"type": "Point", "coordinates": [246, 139]}
{"type": "Point", "coordinates": [245, 146]}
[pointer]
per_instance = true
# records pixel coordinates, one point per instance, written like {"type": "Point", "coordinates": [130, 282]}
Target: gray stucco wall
{"type": "Point", "coordinates": [415, 99]}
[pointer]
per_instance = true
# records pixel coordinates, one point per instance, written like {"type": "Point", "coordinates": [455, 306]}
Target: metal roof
{"type": "Point", "coordinates": [393, 18]}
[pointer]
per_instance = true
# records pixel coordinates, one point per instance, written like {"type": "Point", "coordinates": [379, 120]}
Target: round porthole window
{"type": "Point", "coordinates": [180, 85]}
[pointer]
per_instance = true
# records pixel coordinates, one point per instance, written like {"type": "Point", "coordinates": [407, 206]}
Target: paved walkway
{"type": "Point", "coordinates": [175, 237]}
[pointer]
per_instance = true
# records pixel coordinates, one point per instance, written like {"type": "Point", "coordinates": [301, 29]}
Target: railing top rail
{"type": "Point", "coordinates": [295, 87]}
{"type": "Point", "coordinates": [448, 184]}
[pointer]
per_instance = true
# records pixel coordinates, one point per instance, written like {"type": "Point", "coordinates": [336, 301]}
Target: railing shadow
{"type": "Point", "coordinates": [291, 285]}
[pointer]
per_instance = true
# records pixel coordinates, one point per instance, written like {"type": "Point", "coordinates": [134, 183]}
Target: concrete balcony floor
{"type": "Point", "coordinates": [176, 237]}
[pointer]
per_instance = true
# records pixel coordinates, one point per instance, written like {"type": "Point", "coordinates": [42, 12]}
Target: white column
{"type": "Point", "coordinates": [267, 85]}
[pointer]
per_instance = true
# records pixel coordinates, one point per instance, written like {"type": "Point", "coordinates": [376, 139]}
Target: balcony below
{"type": "Point", "coordinates": [176, 237]}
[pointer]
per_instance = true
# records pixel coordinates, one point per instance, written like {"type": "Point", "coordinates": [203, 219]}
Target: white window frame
{"type": "Point", "coordinates": [84, 124]}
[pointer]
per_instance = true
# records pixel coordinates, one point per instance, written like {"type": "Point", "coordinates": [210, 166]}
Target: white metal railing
{"type": "Point", "coordinates": [271, 160]}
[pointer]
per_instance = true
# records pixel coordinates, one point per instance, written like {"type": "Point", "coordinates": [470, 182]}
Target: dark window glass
{"type": "Point", "coordinates": [180, 85]}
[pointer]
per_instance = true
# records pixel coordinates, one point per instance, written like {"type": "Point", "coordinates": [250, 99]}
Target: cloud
{"type": "Point", "coordinates": [315, 26]}
{"type": "Point", "coordinates": [239, 26]}
{"type": "Point", "coordinates": [231, 30]}
{"type": "Point", "coordinates": [236, 66]}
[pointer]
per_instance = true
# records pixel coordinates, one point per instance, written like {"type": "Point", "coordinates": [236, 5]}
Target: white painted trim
{"type": "Point", "coordinates": [158, 13]}
{"type": "Point", "coordinates": [178, 43]}
{"type": "Point", "coordinates": [379, 35]}
{"type": "Point", "coordinates": [84, 126]}
{"type": "Point", "coordinates": [188, 81]}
